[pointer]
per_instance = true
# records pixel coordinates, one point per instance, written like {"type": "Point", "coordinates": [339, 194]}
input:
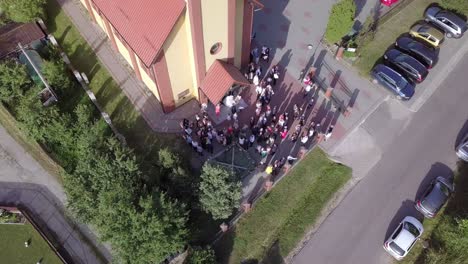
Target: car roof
{"type": "Point", "coordinates": [423, 27]}
{"type": "Point", "coordinates": [435, 199]}
{"type": "Point", "coordinates": [388, 71]}
{"type": "Point", "coordinates": [452, 17]}
{"type": "Point", "coordinates": [404, 239]}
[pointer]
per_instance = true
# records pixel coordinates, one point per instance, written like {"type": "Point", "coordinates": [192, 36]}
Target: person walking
{"type": "Point", "coordinates": [251, 140]}
{"type": "Point", "coordinates": [265, 53]}
{"type": "Point", "coordinates": [275, 73]}
{"type": "Point", "coordinates": [255, 55]}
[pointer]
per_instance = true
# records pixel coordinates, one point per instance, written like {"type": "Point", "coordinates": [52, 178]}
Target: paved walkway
{"type": "Point", "coordinates": [24, 182]}
{"type": "Point", "coordinates": [288, 27]}
{"type": "Point", "coordinates": [140, 96]}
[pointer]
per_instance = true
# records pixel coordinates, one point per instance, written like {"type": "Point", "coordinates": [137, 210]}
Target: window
{"type": "Point", "coordinates": [216, 48]}
{"type": "Point", "coordinates": [397, 231]}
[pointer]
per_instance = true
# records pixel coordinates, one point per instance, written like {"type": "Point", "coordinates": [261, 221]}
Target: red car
{"type": "Point", "coordinates": [388, 2]}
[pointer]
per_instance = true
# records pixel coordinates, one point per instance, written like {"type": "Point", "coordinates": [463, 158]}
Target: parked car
{"type": "Point", "coordinates": [451, 24]}
{"type": "Point", "coordinates": [403, 238]}
{"type": "Point", "coordinates": [462, 149]}
{"type": "Point", "coordinates": [393, 80]}
{"type": "Point", "coordinates": [435, 196]}
{"type": "Point", "coordinates": [406, 64]}
{"type": "Point", "coordinates": [426, 55]}
{"type": "Point", "coordinates": [428, 33]}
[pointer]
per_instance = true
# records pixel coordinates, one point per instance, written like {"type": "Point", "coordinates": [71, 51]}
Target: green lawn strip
{"type": "Point", "coordinates": [387, 33]}
{"type": "Point", "coordinates": [35, 150]}
{"type": "Point", "coordinates": [332, 178]}
{"type": "Point", "coordinates": [123, 113]}
{"type": "Point", "coordinates": [13, 249]}
{"type": "Point", "coordinates": [301, 194]}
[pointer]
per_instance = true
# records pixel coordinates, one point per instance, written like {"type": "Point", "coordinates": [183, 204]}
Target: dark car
{"type": "Point", "coordinates": [423, 53]}
{"type": "Point", "coordinates": [435, 197]}
{"type": "Point", "coordinates": [453, 25]}
{"type": "Point", "coordinates": [406, 64]}
{"type": "Point", "coordinates": [393, 80]}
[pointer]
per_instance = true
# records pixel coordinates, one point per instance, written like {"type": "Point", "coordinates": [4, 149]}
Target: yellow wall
{"type": "Point", "coordinates": [122, 49]}
{"type": "Point", "coordinates": [239, 25]}
{"type": "Point", "coordinates": [176, 51]}
{"type": "Point", "coordinates": [215, 28]}
{"type": "Point", "coordinates": [188, 30]}
{"type": "Point", "coordinates": [99, 20]}
{"type": "Point", "coordinates": [83, 2]}
{"type": "Point", "coordinates": [147, 79]}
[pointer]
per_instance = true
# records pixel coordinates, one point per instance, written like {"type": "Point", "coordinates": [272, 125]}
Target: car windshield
{"type": "Point", "coordinates": [465, 148]}
{"type": "Point", "coordinates": [436, 198]}
{"type": "Point", "coordinates": [397, 249]}
{"type": "Point", "coordinates": [402, 84]}
{"type": "Point", "coordinates": [411, 228]}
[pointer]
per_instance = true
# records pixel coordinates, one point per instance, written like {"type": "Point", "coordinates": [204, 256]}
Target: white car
{"type": "Point", "coordinates": [404, 237]}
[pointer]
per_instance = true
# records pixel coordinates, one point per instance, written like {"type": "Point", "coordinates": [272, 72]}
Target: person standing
{"type": "Point", "coordinates": [218, 110]}
{"type": "Point", "coordinates": [304, 138]}
{"type": "Point", "coordinates": [255, 55]}
{"type": "Point", "coordinates": [329, 132]}
{"type": "Point", "coordinates": [251, 140]}
{"type": "Point", "coordinates": [307, 90]}
{"type": "Point", "coordinates": [275, 71]}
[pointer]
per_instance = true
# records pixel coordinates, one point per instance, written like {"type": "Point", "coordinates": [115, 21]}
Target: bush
{"type": "Point", "coordinates": [459, 6]}
{"type": "Point", "coordinates": [341, 20]}
{"type": "Point", "coordinates": [23, 10]}
{"type": "Point", "coordinates": [201, 256]}
{"type": "Point", "coordinates": [14, 80]}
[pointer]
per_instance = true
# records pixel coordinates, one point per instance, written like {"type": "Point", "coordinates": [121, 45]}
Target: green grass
{"type": "Point", "coordinates": [388, 30]}
{"type": "Point", "coordinates": [13, 249]}
{"type": "Point", "coordinates": [280, 219]}
{"type": "Point", "coordinates": [124, 115]}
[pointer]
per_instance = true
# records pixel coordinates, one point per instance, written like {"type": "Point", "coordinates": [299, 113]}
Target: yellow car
{"type": "Point", "coordinates": [427, 33]}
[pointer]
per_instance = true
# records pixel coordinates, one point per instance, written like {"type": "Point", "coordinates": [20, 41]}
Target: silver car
{"type": "Point", "coordinates": [462, 149]}
{"type": "Point", "coordinates": [404, 237]}
{"type": "Point", "coordinates": [452, 24]}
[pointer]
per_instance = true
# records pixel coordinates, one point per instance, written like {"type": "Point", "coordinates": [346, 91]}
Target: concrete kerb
{"type": "Point", "coordinates": [441, 75]}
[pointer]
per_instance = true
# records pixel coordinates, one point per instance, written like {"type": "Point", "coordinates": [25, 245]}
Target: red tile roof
{"type": "Point", "coordinates": [13, 33]}
{"type": "Point", "coordinates": [220, 77]}
{"type": "Point", "coordinates": [144, 24]}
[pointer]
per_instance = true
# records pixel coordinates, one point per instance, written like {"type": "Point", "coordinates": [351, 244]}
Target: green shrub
{"type": "Point", "coordinates": [341, 20]}
{"type": "Point", "coordinates": [201, 256]}
{"type": "Point", "coordinates": [459, 6]}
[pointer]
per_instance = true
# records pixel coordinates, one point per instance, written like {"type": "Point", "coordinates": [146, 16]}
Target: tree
{"type": "Point", "coordinates": [106, 191]}
{"type": "Point", "coordinates": [23, 10]}
{"type": "Point", "coordinates": [219, 193]}
{"type": "Point", "coordinates": [200, 256]}
{"type": "Point", "coordinates": [341, 20]}
{"type": "Point", "coordinates": [176, 180]}
{"type": "Point", "coordinates": [56, 74]}
{"type": "Point", "coordinates": [14, 80]}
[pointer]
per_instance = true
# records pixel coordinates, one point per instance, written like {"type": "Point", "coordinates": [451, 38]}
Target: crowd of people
{"type": "Point", "coordinates": [267, 129]}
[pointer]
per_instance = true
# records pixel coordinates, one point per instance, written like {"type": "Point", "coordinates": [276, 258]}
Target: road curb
{"type": "Point", "coordinates": [441, 76]}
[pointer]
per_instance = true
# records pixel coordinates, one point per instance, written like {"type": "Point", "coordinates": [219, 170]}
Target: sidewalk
{"type": "Point", "coordinates": [24, 182]}
{"type": "Point", "coordinates": [140, 96]}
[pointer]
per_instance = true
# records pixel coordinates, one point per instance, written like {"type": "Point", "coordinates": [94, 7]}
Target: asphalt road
{"type": "Point", "coordinates": [423, 149]}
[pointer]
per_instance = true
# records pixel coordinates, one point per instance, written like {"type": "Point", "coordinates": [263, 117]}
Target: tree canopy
{"type": "Point", "coordinates": [219, 192]}
{"type": "Point", "coordinates": [14, 80]}
{"type": "Point", "coordinates": [340, 21]}
{"type": "Point", "coordinates": [23, 10]}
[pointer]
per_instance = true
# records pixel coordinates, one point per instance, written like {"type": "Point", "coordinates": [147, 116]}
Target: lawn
{"type": "Point", "coordinates": [125, 117]}
{"type": "Point", "coordinates": [13, 249]}
{"type": "Point", "coordinates": [280, 219]}
{"type": "Point", "coordinates": [388, 29]}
